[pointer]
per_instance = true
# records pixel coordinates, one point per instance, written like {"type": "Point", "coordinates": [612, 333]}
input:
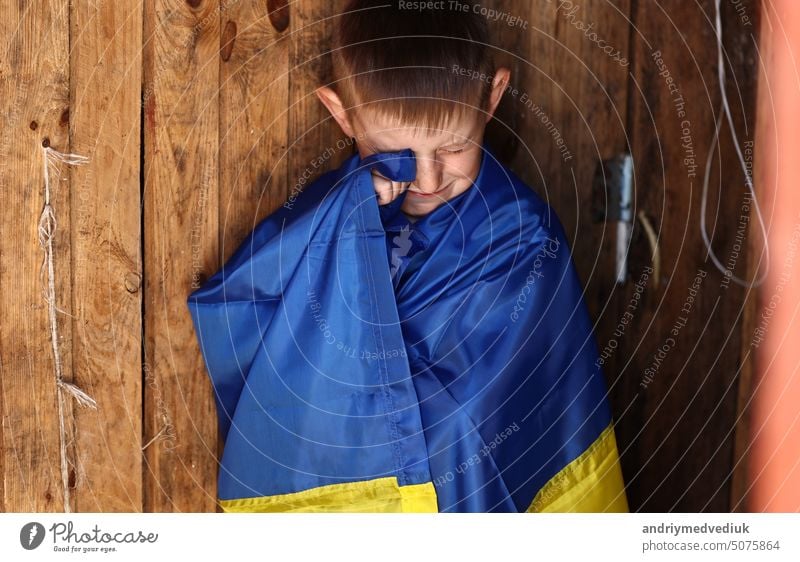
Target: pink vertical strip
{"type": "Point", "coordinates": [775, 460]}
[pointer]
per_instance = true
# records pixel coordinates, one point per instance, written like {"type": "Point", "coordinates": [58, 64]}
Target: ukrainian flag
{"type": "Point", "coordinates": [364, 363]}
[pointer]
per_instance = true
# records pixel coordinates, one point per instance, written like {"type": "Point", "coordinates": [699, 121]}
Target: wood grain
{"type": "Point", "coordinates": [181, 140]}
{"type": "Point", "coordinates": [313, 134]}
{"type": "Point", "coordinates": [254, 90]}
{"type": "Point", "coordinates": [34, 93]}
{"type": "Point", "coordinates": [105, 81]}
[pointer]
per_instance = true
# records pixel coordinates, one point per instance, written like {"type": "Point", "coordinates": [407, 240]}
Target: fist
{"type": "Point", "coordinates": [387, 190]}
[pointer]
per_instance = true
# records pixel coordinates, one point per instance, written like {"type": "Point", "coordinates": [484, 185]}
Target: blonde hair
{"type": "Point", "coordinates": [420, 67]}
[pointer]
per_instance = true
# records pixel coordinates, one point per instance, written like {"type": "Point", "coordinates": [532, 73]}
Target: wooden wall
{"type": "Point", "coordinates": [198, 117]}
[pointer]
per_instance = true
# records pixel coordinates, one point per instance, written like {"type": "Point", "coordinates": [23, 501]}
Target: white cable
{"type": "Point", "coordinates": [726, 110]}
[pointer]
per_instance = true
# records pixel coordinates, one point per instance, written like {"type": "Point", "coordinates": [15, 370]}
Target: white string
{"type": "Point", "coordinates": [726, 111]}
{"type": "Point", "coordinates": [47, 229]}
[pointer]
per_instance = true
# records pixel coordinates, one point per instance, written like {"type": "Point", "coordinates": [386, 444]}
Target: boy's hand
{"type": "Point", "coordinates": [386, 189]}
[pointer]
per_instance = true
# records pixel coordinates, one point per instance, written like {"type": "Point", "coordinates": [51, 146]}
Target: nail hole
{"type": "Point", "coordinates": [278, 14]}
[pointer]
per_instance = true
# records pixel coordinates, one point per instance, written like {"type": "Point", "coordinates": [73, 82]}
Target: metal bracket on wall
{"type": "Point", "coordinates": [612, 197]}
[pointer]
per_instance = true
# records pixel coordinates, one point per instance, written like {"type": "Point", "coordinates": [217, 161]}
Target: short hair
{"type": "Point", "coordinates": [417, 65]}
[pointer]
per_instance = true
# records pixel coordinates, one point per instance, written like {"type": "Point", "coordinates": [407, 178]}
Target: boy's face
{"type": "Point", "coordinates": [447, 159]}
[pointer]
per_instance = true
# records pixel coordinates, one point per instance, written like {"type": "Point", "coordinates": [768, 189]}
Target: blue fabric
{"type": "Point", "coordinates": [346, 343]}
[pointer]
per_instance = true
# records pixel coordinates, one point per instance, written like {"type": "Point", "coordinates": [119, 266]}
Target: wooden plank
{"type": "Point", "coordinates": [316, 143]}
{"type": "Point", "coordinates": [571, 81]}
{"type": "Point", "coordinates": [684, 363]}
{"type": "Point", "coordinates": [181, 124]}
{"type": "Point", "coordinates": [34, 93]}
{"type": "Point", "coordinates": [254, 88]}
{"type": "Point", "coordinates": [105, 80]}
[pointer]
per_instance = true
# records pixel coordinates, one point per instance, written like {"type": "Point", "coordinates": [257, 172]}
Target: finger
{"type": "Point", "coordinates": [400, 187]}
{"type": "Point", "coordinates": [403, 187]}
{"type": "Point", "coordinates": [383, 189]}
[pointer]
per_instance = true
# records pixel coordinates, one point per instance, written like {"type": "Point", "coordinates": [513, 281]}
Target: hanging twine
{"type": "Point", "coordinates": [47, 229]}
{"type": "Point", "coordinates": [725, 111]}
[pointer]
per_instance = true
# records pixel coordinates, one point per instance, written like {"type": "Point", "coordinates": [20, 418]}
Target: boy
{"type": "Point", "coordinates": [425, 351]}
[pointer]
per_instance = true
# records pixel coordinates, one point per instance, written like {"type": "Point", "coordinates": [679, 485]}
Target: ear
{"type": "Point", "coordinates": [331, 100]}
{"type": "Point", "coordinates": [499, 83]}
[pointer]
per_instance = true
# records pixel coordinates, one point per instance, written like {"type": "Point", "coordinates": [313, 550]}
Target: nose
{"type": "Point", "coordinates": [429, 174]}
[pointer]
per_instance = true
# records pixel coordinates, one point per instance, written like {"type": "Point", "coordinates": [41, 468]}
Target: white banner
{"type": "Point", "coordinates": [402, 537]}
